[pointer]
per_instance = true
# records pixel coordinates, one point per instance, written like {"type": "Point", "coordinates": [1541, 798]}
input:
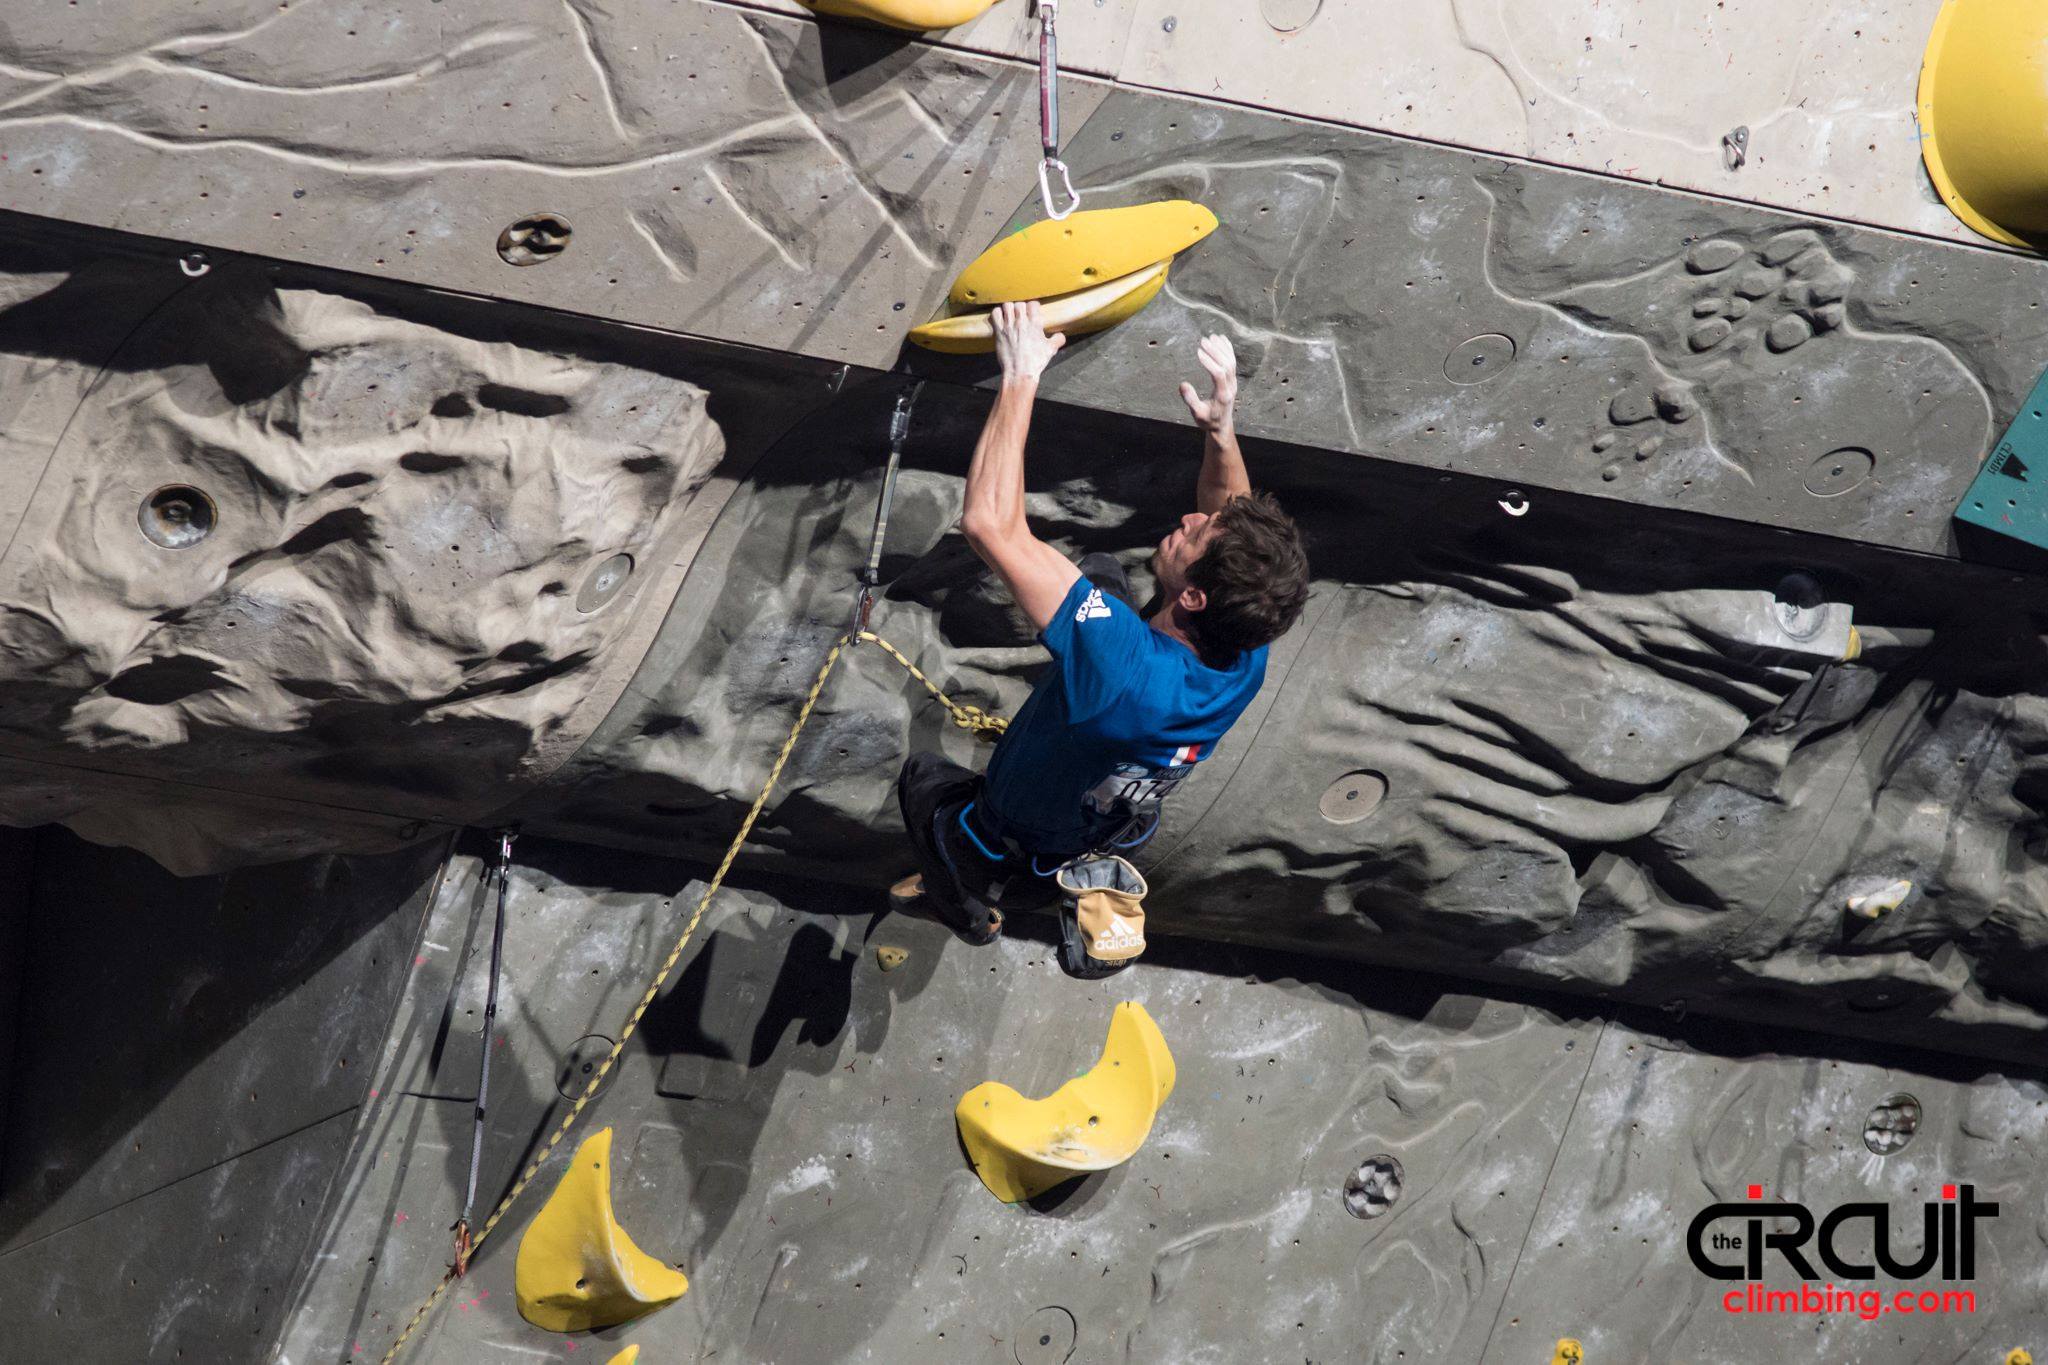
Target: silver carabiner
{"type": "Point", "coordinates": [1049, 115]}
{"type": "Point", "coordinates": [1045, 169]}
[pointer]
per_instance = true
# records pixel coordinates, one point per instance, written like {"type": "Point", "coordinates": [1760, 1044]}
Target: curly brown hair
{"type": "Point", "coordinates": [1255, 574]}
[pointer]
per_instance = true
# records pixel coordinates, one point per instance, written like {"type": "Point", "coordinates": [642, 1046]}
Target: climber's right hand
{"type": "Point", "coordinates": [1022, 347]}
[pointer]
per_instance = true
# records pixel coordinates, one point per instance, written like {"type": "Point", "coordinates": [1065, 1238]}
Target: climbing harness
{"type": "Point", "coordinates": [1049, 114]}
{"type": "Point", "coordinates": [463, 1245]}
{"type": "Point", "coordinates": [871, 576]}
{"type": "Point", "coordinates": [982, 724]}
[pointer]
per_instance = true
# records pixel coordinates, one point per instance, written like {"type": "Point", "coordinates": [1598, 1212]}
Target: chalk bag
{"type": "Point", "coordinates": [1102, 915]}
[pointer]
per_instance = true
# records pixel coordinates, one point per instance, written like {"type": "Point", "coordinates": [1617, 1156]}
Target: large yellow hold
{"type": "Point", "coordinates": [577, 1268]}
{"type": "Point", "coordinates": [1984, 116]}
{"type": "Point", "coordinates": [1088, 271]}
{"type": "Point", "coordinates": [918, 16]}
{"type": "Point", "coordinates": [1084, 249]}
{"type": "Point", "coordinates": [1021, 1148]}
{"type": "Point", "coordinates": [1076, 314]}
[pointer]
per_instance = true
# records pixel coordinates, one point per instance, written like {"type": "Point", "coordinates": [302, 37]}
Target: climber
{"type": "Point", "coordinates": [1133, 701]}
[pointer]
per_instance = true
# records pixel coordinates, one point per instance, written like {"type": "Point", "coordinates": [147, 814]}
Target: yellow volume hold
{"type": "Point", "coordinates": [1078, 252]}
{"type": "Point", "coordinates": [1076, 314]}
{"type": "Point", "coordinates": [1022, 1148]}
{"type": "Point", "coordinates": [1984, 116]}
{"type": "Point", "coordinates": [577, 1268]}
{"type": "Point", "coordinates": [918, 16]}
{"type": "Point", "coordinates": [629, 1356]}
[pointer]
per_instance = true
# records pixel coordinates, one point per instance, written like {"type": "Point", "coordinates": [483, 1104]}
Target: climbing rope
{"type": "Point", "coordinates": [983, 725]}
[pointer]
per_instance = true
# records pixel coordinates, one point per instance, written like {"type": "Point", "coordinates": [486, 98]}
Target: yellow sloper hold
{"type": "Point", "coordinates": [577, 1268]}
{"type": "Point", "coordinates": [1568, 1352]}
{"type": "Point", "coordinates": [1078, 252]}
{"type": "Point", "coordinates": [629, 1356]}
{"type": "Point", "coordinates": [1076, 314]}
{"type": "Point", "coordinates": [918, 16]}
{"type": "Point", "coordinates": [1022, 1148]}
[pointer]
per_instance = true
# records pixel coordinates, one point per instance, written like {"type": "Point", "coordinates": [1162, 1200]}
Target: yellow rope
{"type": "Point", "coordinates": [982, 724]}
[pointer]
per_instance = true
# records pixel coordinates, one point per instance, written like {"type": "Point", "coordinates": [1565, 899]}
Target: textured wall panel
{"type": "Point", "coordinates": [1641, 89]}
{"type": "Point", "coordinates": [173, 1023]}
{"type": "Point", "coordinates": [725, 171]}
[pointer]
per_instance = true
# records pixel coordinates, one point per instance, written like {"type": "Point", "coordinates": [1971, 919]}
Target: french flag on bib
{"type": "Point", "coordinates": [1187, 753]}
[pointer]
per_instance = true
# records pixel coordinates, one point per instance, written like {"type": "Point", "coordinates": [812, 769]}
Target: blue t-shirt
{"type": "Point", "coordinates": [1124, 713]}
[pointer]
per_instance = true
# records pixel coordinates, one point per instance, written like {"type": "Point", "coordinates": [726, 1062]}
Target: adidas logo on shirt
{"type": "Point", "coordinates": [1092, 608]}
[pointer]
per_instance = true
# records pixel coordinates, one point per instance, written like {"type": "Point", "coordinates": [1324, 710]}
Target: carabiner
{"type": "Point", "coordinates": [1045, 168]}
{"type": "Point", "coordinates": [1049, 115]}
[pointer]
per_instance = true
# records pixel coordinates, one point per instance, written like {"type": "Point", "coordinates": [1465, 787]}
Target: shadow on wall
{"type": "Point", "coordinates": [168, 1029]}
{"type": "Point", "coordinates": [164, 1020]}
{"type": "Point", "coordinates": [756, 1007]}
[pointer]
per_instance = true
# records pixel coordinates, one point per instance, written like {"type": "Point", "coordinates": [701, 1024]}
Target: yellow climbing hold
{"type": "Point", "coordinates": [1022, 1148]}
{"type": "Point", "coordinates": [1984, 116]}
{"type": "Point", "coordinates": [2018, 1355]}
{"type": "Point", "coordinates": [889, 957]}
{"type": "Point", "coordinates": [1080, 251]}
{"type": "Point", "coordinates": [1089, 271]}
{"type": "Point", "coordinates": [577, 1268]}
{"type": "Point", "coordinates": [919, 16]}
{"type": "Point", "coordinates": [1076, 314]}
{"type": "Point", "coordinates": [629, 1356]}
{"type": "Point", "coordinates": [1568, 1352]}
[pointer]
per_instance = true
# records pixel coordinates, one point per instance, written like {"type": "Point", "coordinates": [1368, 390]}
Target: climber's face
{"type": "Point", "coordinates": [1178, 553]}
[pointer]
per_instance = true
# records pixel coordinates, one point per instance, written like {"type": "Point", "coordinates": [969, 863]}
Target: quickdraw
{"type": "Point", "coordinates": [871, 575]}
{"type": "Point", "coordinates": [464, 1245]}
{"type": "Point", "coordinates": [1049, 115]}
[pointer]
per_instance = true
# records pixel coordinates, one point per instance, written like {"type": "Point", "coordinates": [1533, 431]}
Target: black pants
{"type": "Point", "coordinates": [965, 868]}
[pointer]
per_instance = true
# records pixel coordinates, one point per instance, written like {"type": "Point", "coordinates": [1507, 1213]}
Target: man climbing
{"type": "Point", "coordinates": [1131, 702]}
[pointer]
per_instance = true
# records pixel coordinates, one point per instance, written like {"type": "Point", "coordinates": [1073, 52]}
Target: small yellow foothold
{"type": "Point", "coordinates": [2018, 1355]}
{"type": "Point", "coordinates": [577, 1269]}
{"type": "Point", "coordinates": [629, 1356]}
{"type": "Point", "coordinates": [1022, 1148]}
{"type": "Point", "coordinates": [917, 16]}
{"type": "Point", "coordinates": [1569, 1352]}
{"type": "Point", "coordinates": [890, 958]}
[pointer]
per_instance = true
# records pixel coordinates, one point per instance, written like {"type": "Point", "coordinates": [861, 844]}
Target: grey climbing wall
{"type": "Point", "coordinates": [334, 566]}
{"type": "Point", "coordinates": [189, 1061]}
{"type": "Point", "coordinates": [768, 179]}
{"type": "Point", "coordinates": [1606, 761]}
{"type": "Point", "coordinates": [17, 861]}
{"type": "Point", "coordinates": [422, 417]}
{"type": "Point", "coordinates": [784, 1132]}
{"type": "Point", "coordinates": [1567, 720]}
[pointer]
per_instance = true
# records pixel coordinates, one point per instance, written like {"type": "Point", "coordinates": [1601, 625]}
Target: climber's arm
{"type": "Point", "coordinates": [992, 519]}
{"type": "Point", "coordinates": [1223, 475]}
